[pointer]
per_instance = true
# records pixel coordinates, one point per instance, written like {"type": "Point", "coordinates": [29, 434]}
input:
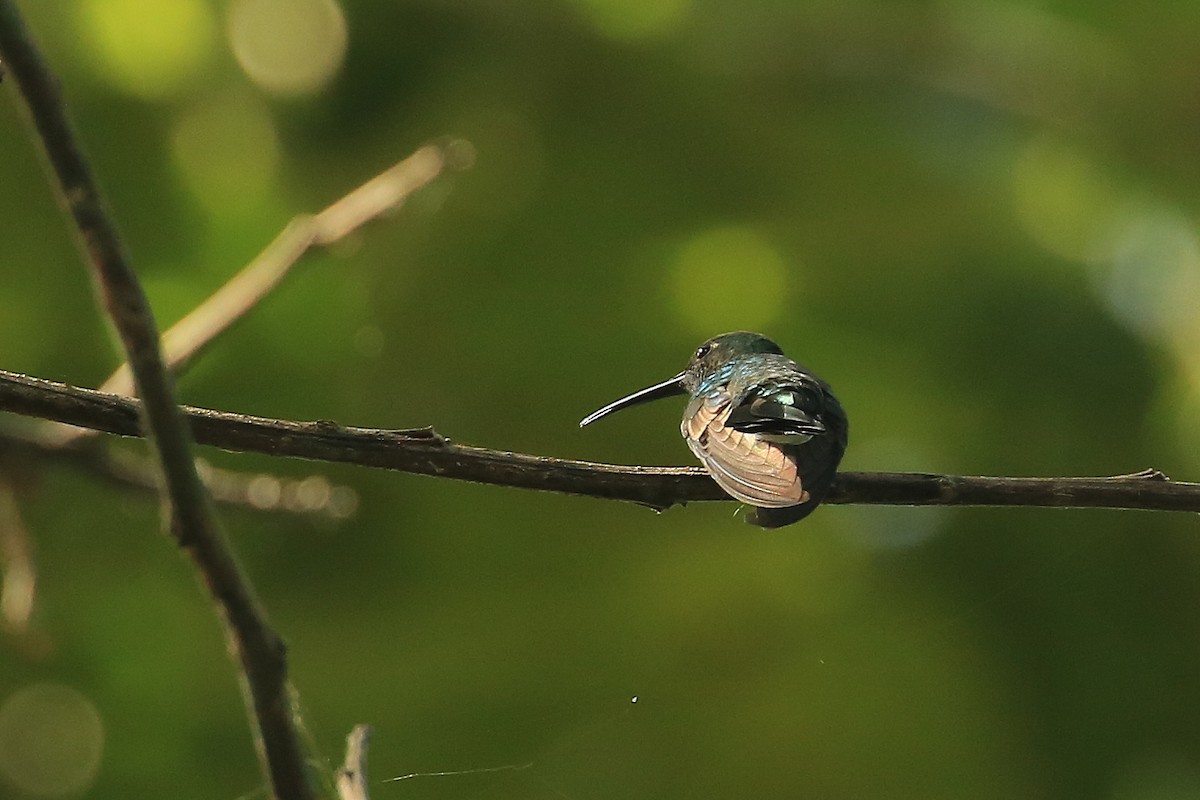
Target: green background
{"type": "Point", "coordinates": [976, 220]}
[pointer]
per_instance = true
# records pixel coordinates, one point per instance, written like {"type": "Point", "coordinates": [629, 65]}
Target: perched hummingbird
{"type": "Point", "coordinates": [767, 430]}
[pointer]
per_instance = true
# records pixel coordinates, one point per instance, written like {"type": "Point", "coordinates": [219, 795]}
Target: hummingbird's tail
{"type": "Point", "coordinates": [778, 517]}
{"type": "Point", "coordinates": [817, 461]}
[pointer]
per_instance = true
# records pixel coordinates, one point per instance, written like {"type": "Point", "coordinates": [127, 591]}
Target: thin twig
{"type": "Point", "coordinates": [352, 777]}
{"type": "Point", "coordinates": [423, 451]}
{"type": "Point", "coordinates": [384, 193]}
{"type": "Point", "coordinates": [259, 648]}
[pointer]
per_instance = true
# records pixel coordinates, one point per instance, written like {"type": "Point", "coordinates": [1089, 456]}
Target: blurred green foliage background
{"type": "Point", "coordinates": [977, 220]}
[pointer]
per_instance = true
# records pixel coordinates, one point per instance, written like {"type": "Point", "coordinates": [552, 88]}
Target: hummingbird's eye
{"type": "Point", "coordinates": [702, 350]}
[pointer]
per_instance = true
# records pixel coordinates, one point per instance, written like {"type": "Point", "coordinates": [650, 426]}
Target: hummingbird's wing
{"type": "Point", "coordinates": [797, 410]}
{"type": "Point", "coordinates": [786, 414]}
{"type": "Point", "coordinates": [746, 465]}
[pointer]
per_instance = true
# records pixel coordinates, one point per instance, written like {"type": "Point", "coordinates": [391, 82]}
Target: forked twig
{"type": "Point", "coordinates": [381, 195]}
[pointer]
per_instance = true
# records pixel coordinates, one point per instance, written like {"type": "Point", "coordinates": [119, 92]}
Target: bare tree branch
{"type": "Point", "coordinates": [352, 777]}
{"type": "Point", "coordinates": [384, 193]}
{"type": "Point", "coordinates": [259, 648]}
{"type": "Point", "coordinates": [422, 451]}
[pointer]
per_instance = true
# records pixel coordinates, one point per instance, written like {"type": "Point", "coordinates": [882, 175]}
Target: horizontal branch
{"type": "Point", "coordinates": [422, 451]}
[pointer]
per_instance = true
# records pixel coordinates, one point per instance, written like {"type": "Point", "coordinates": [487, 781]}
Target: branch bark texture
{"type": "Point", "coordinates": [423, 451]}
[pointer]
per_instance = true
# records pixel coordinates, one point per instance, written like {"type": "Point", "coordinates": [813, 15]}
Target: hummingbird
{"type": "Point", "coordinates": [766, 429]}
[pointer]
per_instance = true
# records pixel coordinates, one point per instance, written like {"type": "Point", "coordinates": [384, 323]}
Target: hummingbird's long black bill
{"type": "Point", "coordinates": [668, 388]}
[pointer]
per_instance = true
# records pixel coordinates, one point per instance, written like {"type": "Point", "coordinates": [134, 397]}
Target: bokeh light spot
{"type": "Point", "coordinates": [343, 502]}
{"type": "Point", "coordinates": [264, 491]}
{"type": "Point", "coordinates": [227, 153]}
{"type": "Point", "coordinates": [728, 279]}
{"type": "Point", "coordinates": [369, 341]}
{"type": "Point", "coordinates": [51, 740]}
{"type": "Point", "coordinates": [635, 19]}
{"type": "Point", "coordinates": [1151, 278]}
{"type": "Point", "coordinates": [1062, 200]}
{"type": "Point", "coordinates": [288, 46]}
{"type": "Point", "coordinates": [148, 48]}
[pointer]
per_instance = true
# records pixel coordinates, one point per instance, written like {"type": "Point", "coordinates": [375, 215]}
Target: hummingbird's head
{"type": "Point", "coordinates": [719, 350]}
{"type": "Point", "coordinates": [708, 358]}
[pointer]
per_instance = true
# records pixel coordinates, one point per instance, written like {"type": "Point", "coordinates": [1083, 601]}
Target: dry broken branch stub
{"type": "Point", "coordinates": [423, 451]}
{"type": "Point", "coordinates": [352, 777]}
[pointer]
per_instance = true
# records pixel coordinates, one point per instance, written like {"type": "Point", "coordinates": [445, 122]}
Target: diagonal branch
{"type": "Point", "coordinates": [423, 451]}
{"type": "Point", "coordinates": [259, 648]}
{"type": "Point", "coordinates": [384, 193]}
